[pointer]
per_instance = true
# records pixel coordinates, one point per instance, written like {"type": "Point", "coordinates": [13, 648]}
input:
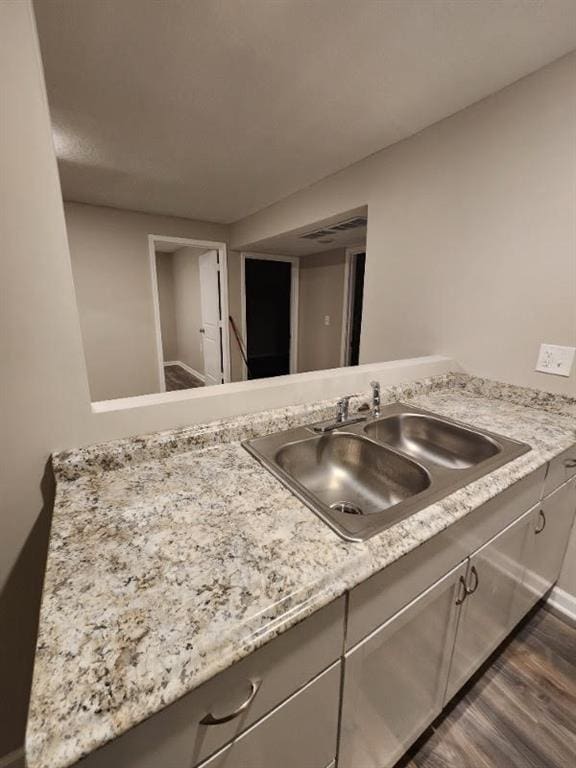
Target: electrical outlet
{"type": "Point", "coordinates": [555, 359]}
{"type": "Point", "coordinates": [326, 319]}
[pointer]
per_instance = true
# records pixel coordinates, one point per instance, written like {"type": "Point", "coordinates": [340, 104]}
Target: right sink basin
{"type": "Point", "coordinates": [428, 438]}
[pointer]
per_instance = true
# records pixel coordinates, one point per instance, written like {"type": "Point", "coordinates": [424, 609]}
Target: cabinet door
{"type": "Point", "coordinates": [301, 733]}
{"type": "Point", "coordinates": [394, 680]}
{"type": "Point", "coordinates": [549, 531]}
{"type": "Point", "coordinates": [495, 574]}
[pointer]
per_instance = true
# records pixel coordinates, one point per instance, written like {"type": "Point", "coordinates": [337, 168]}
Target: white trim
{"type": "Point", "coordinates": [294, 302]}
{"type": "Point", "coordinates": [202, 404]}
{"type": "Point", "coordinates": [563, 602]}
{"type": "Point", "coordinates": [13, 758]}
{"type": "Point", "coordinates": [187, 368]}
{"type": "Point", "coordinates": [349, 279]}
{"type": "Point", "coordinates": [156, 307]}
{"type": "Point", "coordinates": [224, 308]}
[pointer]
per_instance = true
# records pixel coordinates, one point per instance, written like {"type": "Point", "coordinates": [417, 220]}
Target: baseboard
{"type": "Point", "coordinates": [563, 603]}
{"type": "Point", "coordinates": [13, 759]}
{"type": "Point", "coordinates": [187, 368]}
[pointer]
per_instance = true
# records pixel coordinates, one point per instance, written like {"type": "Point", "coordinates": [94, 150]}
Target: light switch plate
{"type": "Point", "coordinates": [555, 359]}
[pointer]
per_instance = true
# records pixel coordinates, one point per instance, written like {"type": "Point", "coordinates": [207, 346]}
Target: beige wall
{"type": "Point", "coordinates": [188, 308]}
{"type": "Point", "coordinates": [45, 400]}
{"type": "Point", "coordinates": [110, 262]}
{"type": "Point", "coordinates": [321, 294]}
{"type": "Point", "coordinates": [165, 277]}
{"type": "Point", "coordinates": [471, 235]}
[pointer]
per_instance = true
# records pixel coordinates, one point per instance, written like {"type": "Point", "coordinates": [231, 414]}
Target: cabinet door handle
{"type": "Point", "coordinates": [211, 720]}
{"type": "Point", "coordinates": [541, 522]}
{"type": "Point", "coordinates": [475, 581]}
{"type": "Point", "coordinates": [463, 591]}
{"type": "Point", "coordinates": [570, 463]}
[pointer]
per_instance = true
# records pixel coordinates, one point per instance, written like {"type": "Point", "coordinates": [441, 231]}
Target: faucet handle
{"type": "Point", "coordinates": [375, 386]}
{"type": "Point", "coordinates": [342, 407]}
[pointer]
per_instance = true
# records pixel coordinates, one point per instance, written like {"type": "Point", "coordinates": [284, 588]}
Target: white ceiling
{"type": "Point", "coordinates": [214, 109]}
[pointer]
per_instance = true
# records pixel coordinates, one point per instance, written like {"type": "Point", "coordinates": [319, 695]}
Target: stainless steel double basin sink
{"type": "Point", "coordinates": [363, 477]}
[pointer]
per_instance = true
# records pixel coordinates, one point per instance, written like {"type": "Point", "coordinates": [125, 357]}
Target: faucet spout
{"type": "Point", "coordinates": [375, 398]}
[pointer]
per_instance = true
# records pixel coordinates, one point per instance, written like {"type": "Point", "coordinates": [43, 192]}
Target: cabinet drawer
{"type": "Point", "coordinates": [301, 733]}
{"type": "Point", "coordinates": [176, 737]}
{"type": "Point", "coordinates": [377, 599]}
{"type": "Point", "coordinates": [560, 469]}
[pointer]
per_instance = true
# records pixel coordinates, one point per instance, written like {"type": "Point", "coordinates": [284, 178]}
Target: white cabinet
{"type": "Point", "coordinates": [301, 733]}
{"type": "Point", "coordinates": [489, 612]}
{"type": "Point", "coordinates": [549, 531]}
{"type": "Point", "coordinates": [394, 680]}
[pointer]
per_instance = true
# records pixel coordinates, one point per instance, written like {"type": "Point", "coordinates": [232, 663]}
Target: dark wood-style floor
{"type": "Point", "coordinates": [178, 378]}
{"type": "Point", "coordinates": [519, 713]}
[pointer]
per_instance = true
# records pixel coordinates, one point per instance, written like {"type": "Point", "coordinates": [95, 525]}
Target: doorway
{"type": "Point", "coordinates": [353, 302]}
{"type": "Point", "coordinates": [190, 298]}
{"type": "Point", "coordinates": [269, 314]}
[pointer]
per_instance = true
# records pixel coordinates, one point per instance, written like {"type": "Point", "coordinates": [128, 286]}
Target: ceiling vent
{"type": "Point", "coordinates": [318, 233]}
{"type": "Point", "coordinates": [341, 226]}
{"type": "Point", "coordinates": [358, 221]}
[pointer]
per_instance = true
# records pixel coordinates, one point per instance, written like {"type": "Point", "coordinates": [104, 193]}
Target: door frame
{"type": "Point", "coordinates": [224, 309]}
{"type": "Point", "coordinates": [349, 280]}
{"type": "Point", "coordinates": [294, 299]}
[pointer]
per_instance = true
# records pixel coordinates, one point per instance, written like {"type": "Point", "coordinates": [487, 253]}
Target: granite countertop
{"type": "Point", "coordinates": [173, 556]}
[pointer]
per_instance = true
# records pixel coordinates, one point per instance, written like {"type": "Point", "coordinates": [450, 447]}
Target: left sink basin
{"type": "Point", "coordinates": [357, 486]}
{"type": "Point", "coordinates": [351, 474]}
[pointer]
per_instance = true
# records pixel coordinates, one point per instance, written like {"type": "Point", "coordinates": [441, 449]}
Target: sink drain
{"type": "Point", "coordinates": [347, 507]}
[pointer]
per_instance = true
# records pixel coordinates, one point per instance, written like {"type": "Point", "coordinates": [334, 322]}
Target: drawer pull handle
{"type": "Point", "coordinates": [211, 720]}
{"type": "Point", "coordinates": [463, 591]}
{"type": "Point", "coordinates": [570, 463]}
{"type": "Point", "coordinates": [475, 581]}
{"type": "Point", "coordinates": [541, 522]}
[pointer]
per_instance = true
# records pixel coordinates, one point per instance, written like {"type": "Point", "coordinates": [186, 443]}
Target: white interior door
{"type": "Point", "coordinates": [211, 322]}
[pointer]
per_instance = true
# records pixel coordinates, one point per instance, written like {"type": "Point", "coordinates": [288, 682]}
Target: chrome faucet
{"type": "Point", "coordinates": [375, 398]}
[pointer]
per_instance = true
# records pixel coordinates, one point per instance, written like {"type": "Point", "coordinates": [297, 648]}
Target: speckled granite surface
{"type": "Point", "coordinates": [174, 555]}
